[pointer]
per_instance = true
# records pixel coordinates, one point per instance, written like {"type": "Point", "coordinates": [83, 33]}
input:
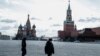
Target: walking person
{"type": "Point", "coordinates": [49, 48]}
{"type": "Point", "coordinates": [23, 49]}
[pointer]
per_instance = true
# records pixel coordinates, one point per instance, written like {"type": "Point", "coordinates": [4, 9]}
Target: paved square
{"type": "Point", "coordinates": [36, 48]}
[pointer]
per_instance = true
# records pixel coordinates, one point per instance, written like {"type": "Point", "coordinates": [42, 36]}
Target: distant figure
{"type": "Point", "coordinates": [49, 48]}
{"type": "Point", "coordinates": [23, 49]}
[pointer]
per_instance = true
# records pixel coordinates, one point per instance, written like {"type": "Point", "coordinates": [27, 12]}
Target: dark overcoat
{"type": "Point", "coordinates": [49, 48]}
{"type": "Point", "coordinates": [23, 47]}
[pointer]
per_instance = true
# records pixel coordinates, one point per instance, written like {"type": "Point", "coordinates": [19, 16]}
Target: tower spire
{"type": "Point", "coordinates": [69, 1]}
{"type": "Point", "coordinates": [28, 16]}
{"type": "Point", "coordinates": [69, 13]}
{"type": "Point", "coordinates": [28, 25]}
{"type": "Point", "coordinates": [69, 5]}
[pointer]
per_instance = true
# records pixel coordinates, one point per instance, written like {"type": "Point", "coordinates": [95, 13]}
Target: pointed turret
{"type": "Point", "coordinates": [33, 31]}
{"type": "Point", "coordinates": [34, 26]}
{"type": "Point", "coordinates": [28, 25]}
{"type": "Point", "coordinates": [69, 6]}
{"type": "Point", "coordinates": [20, 27]}
{"type": "Point", "coordinates": [69, 13]}
{"type": "Point", "coordinates": [19, 34]}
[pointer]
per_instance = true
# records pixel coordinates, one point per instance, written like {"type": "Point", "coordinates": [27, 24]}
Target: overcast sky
{"type": "Point", "coordinates": [47, 15]}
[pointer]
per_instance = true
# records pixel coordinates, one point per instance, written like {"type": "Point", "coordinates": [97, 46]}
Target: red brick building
{"type": "Point", "coordinates": [69, 26]}
{"type": "Point", "coordinates": [89, 34]}
{"type": "Point", "coordinates": [96, 30]}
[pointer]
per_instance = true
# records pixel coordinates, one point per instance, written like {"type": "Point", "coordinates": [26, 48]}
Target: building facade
{"type": "Point", "coordinates": [89, 34]}
{"type": "Point", "coordinates": [69, 30]}
{"type": "Point", "coordinates": [4, 37]}
{"type": "Point", "coordinates": [26, 31]}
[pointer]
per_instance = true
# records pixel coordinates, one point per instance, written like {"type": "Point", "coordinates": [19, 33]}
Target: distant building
{"type": "Point", "coordinates": [26, 31]}
{"type": "Point", "coordinates": [89, 34]}
{"type": "Point", "coordinates": [4, 37]}
{"type": "Point", "coordinates": [70, 30]}
{"type": "Point", "coordinates": [96, 30]}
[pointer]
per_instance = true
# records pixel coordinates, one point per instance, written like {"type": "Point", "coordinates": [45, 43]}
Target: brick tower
{"type": "Point", "coordinates": [69, 27]}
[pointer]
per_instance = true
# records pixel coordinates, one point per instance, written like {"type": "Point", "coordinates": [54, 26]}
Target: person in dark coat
{"type": "Point", "coordinates": [23, 49]}
{"type": "Point", "coordinates": [49, 48]}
